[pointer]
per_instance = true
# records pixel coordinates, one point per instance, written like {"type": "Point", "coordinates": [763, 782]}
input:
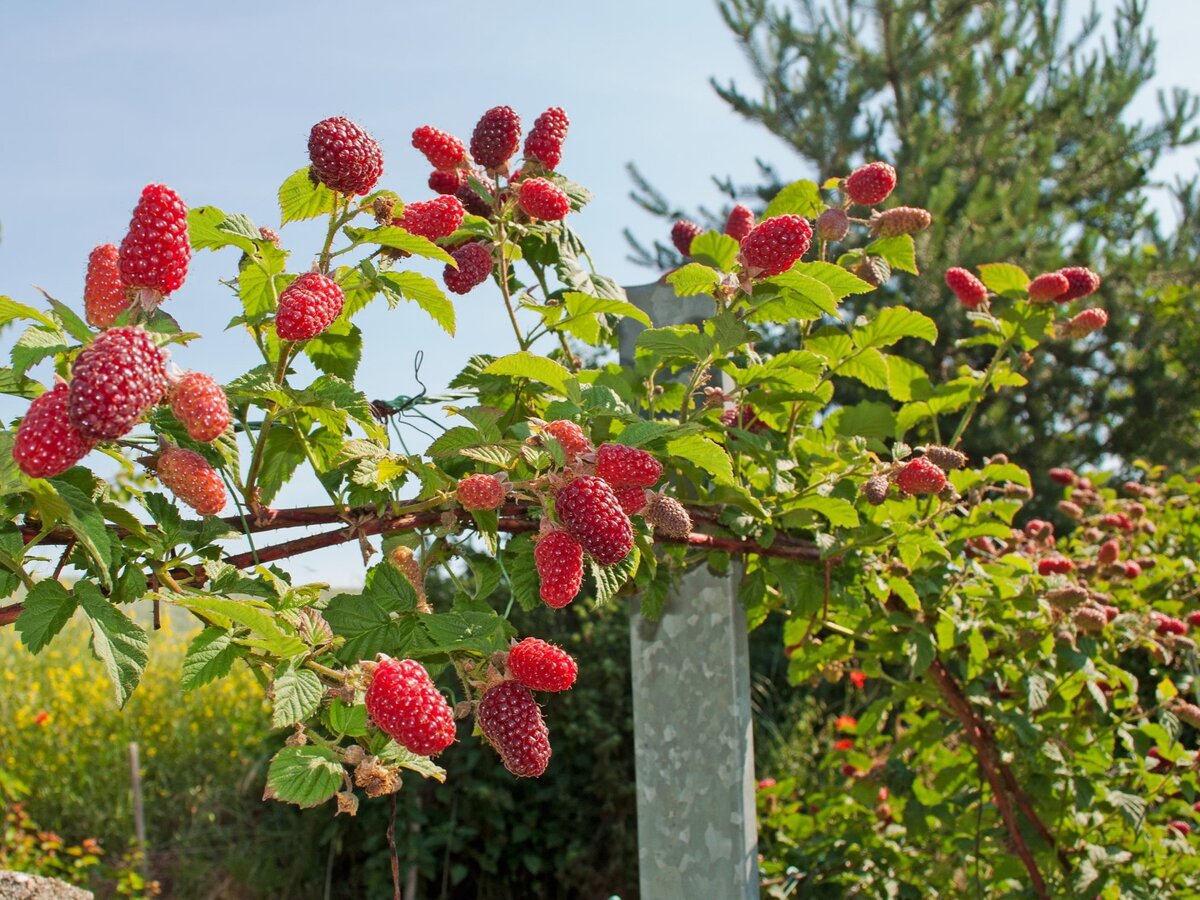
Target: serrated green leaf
{"type": "Point", "coordinates": [210, 656]}
{"type": "Point", "coordinates": [48, 607]}
{"type": "Point", "coordinates": [426, 293]}
{"type": "Point", "coordinates": [210, 228]}
{"type": "Point", "coordinates": [1002, 278]}
{"type": "Point", "coordinates": [899, 251]}
{"type": "Point", "coordinates": [337, 350]}
{"type": "Point", "coordinates": [119, 643]}
{"type": "Point", "coordinates": [297, 693]}
{"type": "Point", "coordinates": [535, 368]}
{"type": "Point", "coordinates": [399, 239]}
{"type": "Point", "coordinates": [692, 279]}
{"type": "Point", "coordinates": [518, 564]}
{"type": "Point", "coordinates": [85, 520]}
{"type": "Point", "coordinates": [839, 512]}
{"type": "Point", "coordinates": [344, 719]}
{"type": "Point", "coordinates": [300, 199]}
{"type": "Point", "coordinates": [718, 249]}
{"type": "Point", "coordinates": [800, 198]}
{"type": "Point", "coordinates": [891, 325]}
{"type": "Point", "coordinates": [841, 282]}
{"type": "Point", "coordinates": [255, 616]}
{"type": "Point", "coordinates": [306, 776]}
{"type": "Point", "coordinates": [680, 342]}
{"type": "Point", "coordinates": [704, 453]}
{"type": "Point", "coordinates": [869, 366]}
{"type": "Point", "coordinates": [34, 345]}
{"type": "Point", "coordinates": [610, 579]}
{"type": "Point", "coordinates": [10, 309]}
{"type": "Point", "coordinates": [868, 419]}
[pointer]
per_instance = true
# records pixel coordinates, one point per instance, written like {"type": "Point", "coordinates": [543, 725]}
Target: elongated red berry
{"type": "Point", "coordinates": [1055, 565]}
{"type": "Point", "coordinates": [871, 184]}
{"type": "Point", "coordinates": [774, 244]}
{"type": "Point", "coordinates": [545, 140]}
{"type": "Point", "coordinates": [200, 405]}
{"type": "Point", "coordinates": [901, 220]}
{"type": "Point", "coordinates": [480, 491]}
{"type": "Point", "coordinates": [496, 138]}
{"type": "Point", "coordinates": [683, 233]}
{"type": "Point", "coordinates": [1047, 287]}
{"type": "Point", "coordinates": [474, 267]}
{"type": "Point", "coordinates": [558, 558]}
{"type": "Point", "coordinates": [570, 436]}
{"type": "Point", "coordinates": [155, 252]}
{"type": "Point", "coordinates": [407, 706]}
{"type": "Point", "coordinates": [1063, 476]}
{"type": "Point", "coordinates": [512, 722]}
{"type": "Point", "coordinates": [1082, 281]}
{"type": "Point", "coordinates": [969, 290]}
{"type": "Point", "coordinates": [188, 475]}
{"type": "Point", "coordinates": [920, 476]}
{"type": "Point", "coordinates": [1084, 323]}
{"type": "Point", "coordinates": [542, 199]}
{"type": "Point", "coordinates": [623, 466]}
{"type": "Point", "coordinates": [47, 444]}
{"type": "Point", "coordinates": [308, 306]}
{"type": "Point", "coordinates": [118, 377]}
{"type": "Point", "coordinates": [344, 157]}
{"type": "Point", "coordinates": [104, 296]}
{"type": "Point", "coordinates": [632, 499]}
{"type": "Point", "coordinates": [739, 222]}
{"type": "Point", "coordinates": [541, 666]}
{"type": "Point", "coordinates": [590, 512]}
{"type": "Point", "coordinates": [443, 150]}
{"type": "Point", "coordinates": [447, 182]}
{"type": "Point", "coordinates": [432, 219]}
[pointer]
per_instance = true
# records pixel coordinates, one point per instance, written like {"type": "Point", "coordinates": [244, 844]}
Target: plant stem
{"type": "Point", "coordinates": [973, 406]}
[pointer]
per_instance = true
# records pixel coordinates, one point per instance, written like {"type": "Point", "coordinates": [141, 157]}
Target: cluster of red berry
{"type": "Point", "coordinates": [920, 476]}
{"type": "Point", "coordinates": [1063, 286]}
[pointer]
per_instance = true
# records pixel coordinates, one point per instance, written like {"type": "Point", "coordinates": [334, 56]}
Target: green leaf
{"type": "Point", "coordinates": [426, 293]}
{"type": "Point", "coordinates": [282, 455]}
{"type": "Point", "coordinates": [719, 249]}
{"type": "Point", "coordinates": [705, 453]}
{"type": "Point", "coordinates": [399, 756]}
{"type": "Point", "coordinates": [337, 350]}
{"type": "Point", "coordinates": [869, 366]}
{"type": "Point", "coordinates": [48, 607]}
{"type": "Point", "coordinates": [297, 692]}
{"type": "Point", "coordinates": [210, 656]}
{"type": "Point", "coordinates": [840, 281]}
{"type": "Point", "coordinates": [399, 239]}
{"type": "Point", "coordinates": [1003, 278]}
{"type": "Point", "coordinates": [83, 518]}
{"type": "Point", "coordinates": [34, 345]}
{"type": "Point", "coordinates": [1132, 807]}
{"type": "Point", "coordinates": [675, 342]}
{"type": "Point", "coordinates": [344, 719]}
{"type": "Point", "coordinates": [306, 776]}
{"type": "Point", "coordinates": [644, 431]}
{"type": "Point", "coordinates": [10, 309]}
{"type": "Point", "coordinates": [211, 229]}
{"type": "Point", "coordinates": [800, 198]}
{"type": "Point", "coordinates": [70, 320]}
{"type": "Point", "coordinates": [116, 641]}
{"type": "Point", "coordinates": [899, 251]}
{"type": "Point", "coordinates": [536, 368]}
{"type": "Point", "coordinates": [584, 310]}
{"type": "Point", "coordinates": [253, 615]}
{"type": "Point", "coordinates": [839, 512]}
{"type": "Point", "coordinates": [517, 560]}
{"type": "Point", "coordinates": [610, 579]}
{"type": "Point", "coordinates": [812, 289]}
{"type": "Point", "coordinates": [692, 279]}
{"type": "Point", "coordinates": [893, 323]}
{"type": "Point", "coordinates": [300, 199]}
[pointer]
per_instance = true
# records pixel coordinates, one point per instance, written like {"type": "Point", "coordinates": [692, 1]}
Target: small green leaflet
{"type": "Point", "coordinates": [300, 199]}
{"type": "Point", "coordinates": [306, 776]}
{"type": "Point", "coordinates": [120, 644]}
{"type": "Point", "coordinates": [800, 198]}
{"type": "Point", "coordinates": [536, 368]}
{"type": "Point", "coordinates": [297, 692]}
{"type": "Point", "coordinates": [48, 607]}
{"type": "Point", "coordinates": [692, 279]}
{"type": "Point", "coordinates": [1004, 278]}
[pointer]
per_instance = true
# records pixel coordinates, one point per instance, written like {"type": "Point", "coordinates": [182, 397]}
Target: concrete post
{"type": "Point", "coordinates": [693, 739]}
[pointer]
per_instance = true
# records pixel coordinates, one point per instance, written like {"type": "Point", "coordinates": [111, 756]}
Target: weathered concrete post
{"type": "Point", "coordinates": [693, 741]}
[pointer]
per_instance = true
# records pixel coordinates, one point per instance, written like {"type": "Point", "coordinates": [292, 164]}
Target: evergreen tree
{"type": "Point", "coordinates": [1019, 126]}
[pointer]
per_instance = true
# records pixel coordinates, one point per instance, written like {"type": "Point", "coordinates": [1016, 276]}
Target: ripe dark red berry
{"type": "Point", "coordinates": [471, 201]}
{"type": "Point", "coordinates": [1081, 282]}
{"type": "Point", "coordinates": [496, 138]}
{"type": "Point", "coordinates": [407, 706]}
{"type": "Point", "coordinates": [683, 233]}
{"type": "Point", "coordinates": [970, 291]}
{"type": "Point", "coordinates": [344, 157]}
{"type": "Point", "coordinates": [1063, 476]}
{"type": "Point", "coordinates": [155, 252]}
{"type": "Point", "coordinates": [744, 417]}
{"type": "Point", "coordinates": [545, 140]}
{"type": "Point", "coordinates": [1048, 286]}
{"type": "Point", "coordinates": [1084, 323]}
{"type": "Point", "coordinates": [432, 219]}
{"type": "Point", "coordinates": [739, 222]}
{"type": "Point", "coordinates": [632, 499]}
{"type": "Point", "coordinates": [474, 266]}
{"type": "Point", "coordinates": [47, 444]}
{"type": "Point", "coordinates": [542, 199]}
{"type": "Point", "coordinates": [104, 296]}
{"type": "Point", "coordinates": [559, 561]}
{"type": "Point", "coordinates": [871, 184]}
{"type": "Point", "coordinates": [1055, 565]}
{"type": "Point", "coordinates": [512, 722]}
{"type": "Point", "coordinates": [118, 377]}
{"type": "Point", "coordinates": [444, 151]}
{"type": "Point", "coordinates": [447, 182]}
{"type": "Point", "coordinates": [590, 512]}
{"type": "Point", "coordinates": [307, 307]}
{"type": "Point", "coordinates": [774, 244]}
{"type": "Point", "coordinates": [480, 491]}
{"type": "Point", "coordinates": [623, 466]}
{"type": "Point", "coordinates": [541, 666]}
{"type": "Point", "coordinates": [570, 436]}
{"type": "Point", "coordinates": [920, 476]}
{"type": "Point", "coordinates": [200, 405]}
{"type": "Point", "coordinates": [188, 476]}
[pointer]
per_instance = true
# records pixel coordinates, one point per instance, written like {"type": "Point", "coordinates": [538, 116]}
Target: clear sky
{"type": "Point", "coordinates": [216, 100]}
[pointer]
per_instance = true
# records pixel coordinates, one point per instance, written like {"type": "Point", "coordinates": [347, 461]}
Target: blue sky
{"type": "Point", "coordinates": [216, 100]}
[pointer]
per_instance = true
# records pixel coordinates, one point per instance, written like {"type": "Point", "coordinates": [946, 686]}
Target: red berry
{"type": "Point", "coordinates": [683, 233]}
{"type": "Point", "coordinates": [966, 287]}
{"type": "Point", "coordinates": [474, 266]}
{"type": "Point", "coordinates": [744, 417]}
{"type": "Point", "coordinates": [1055, 565]}
{"type": "Point", "coordinates": [1108, 553]}
{"type": "Point", "coordinates": [104, 296]}
{"type": "Point", "coordinates": [920, 476]}
{"type": "Point", "coordinates": [155, 251]}
{"type": "Point", "coordinates": [1180, 827]}
{"type": "Point", "coordinates": [188, 475]}
{"type": "Point", "coordinates": [1063, 476]}
{"type": "Point", "coordinates": [1081, 281]}
{"type": "Point", "coordinates": [1048, 286]}
{"type": "Point", "coordinates": [344, 157]}
{"type": "Point", "coordinates": [200, 405]}
{"type": "Point", "coordinates": [589, 511]}
{"type": "Point", "coordinates": [307, 307]}
{"type": "Point", "coordinates": [471, 201]}
{"type": "Point", "coordinates": [1193, 619]}
{"type": "Point", "coordinates": [432, 219]}
{"type": "Point", "coordinates": [541, 666]}
{"type": "Point", "coordinates": [444, 151]}
{"type": "Point", "coordinates": [774, 244]}
{"type": "Point", "coordinates": [480, 491]}
{"type": "Point", "coordinates": [47, 444]}
{"type": "Point", "coordinates": [632, 499]}
{"type": "Point", "coordinates": [1084, 323]}
{"type": "Point", "coordinates": [118, 377]}
{"type": "Point", "coordinates": [623, 466]}
{"type": "Point", "coordinates": [542, 199]}
{"type": "Point", "coordinates": [545, 140]}
{"type": "Point", "coordinates": [1132, 569]}
{"type": "Point", "coordinates": [739, 222]}
{"type": "Point", "coordinates": [1117, 520]}
{"type": "Point", "coordinates": [559, 561]}
{"type": "Point", "coordinates": [407, 706]}
{"type": "Point", "coordinates": [512, 722]}
{"type": "Point", "coordinates": [833, 224]}
{"type": "Point", "coordinates": [871, 184]}
{"type": "Point", "coordinates": [496, 138]}
{"type": "Point", "coordinates": [570, 436]}
{"type": "Point", "coordinates": [446, 182]}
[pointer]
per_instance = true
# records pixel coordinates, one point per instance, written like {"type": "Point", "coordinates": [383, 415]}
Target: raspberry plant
{"type": "Point", "coordinates": [862, 525]}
